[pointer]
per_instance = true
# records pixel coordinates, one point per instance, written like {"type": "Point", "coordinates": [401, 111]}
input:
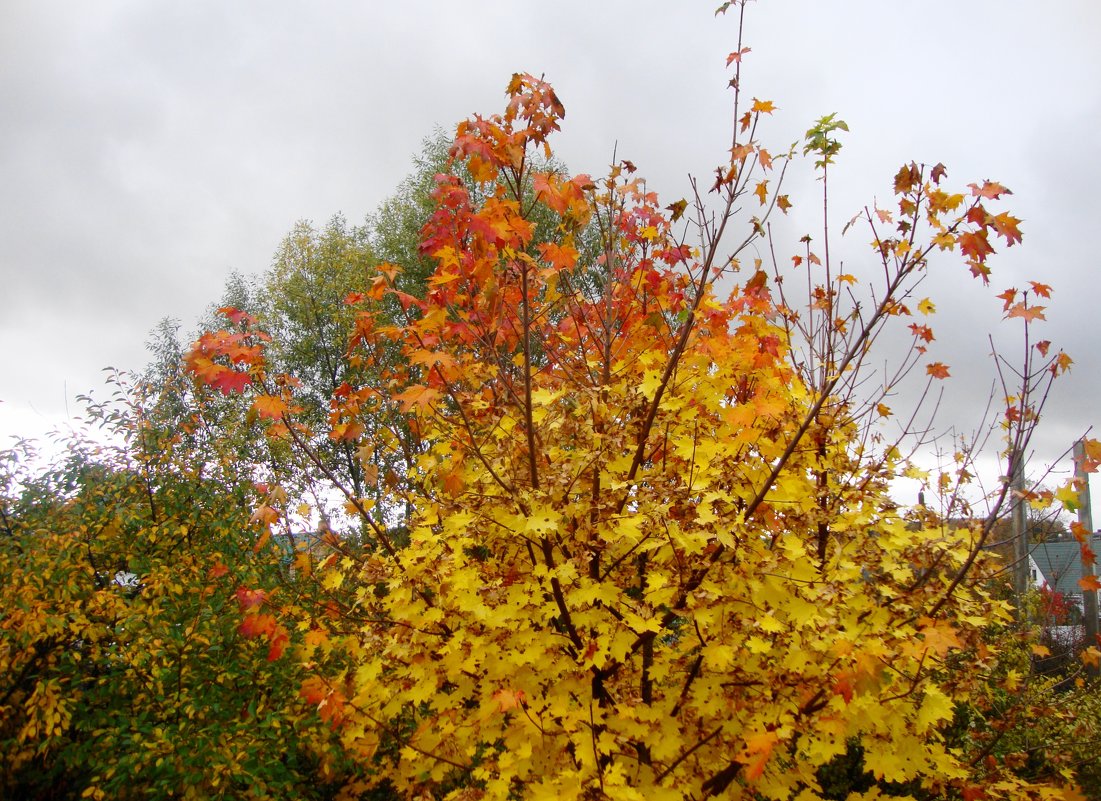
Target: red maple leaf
{"type": "Point", "coordinates": [975, 245]}
{"type": "Point", "coordinates": [977, 215]}
{"type": "Point", "coordinates": [229, 381]}
{"type": "Point", "coordinates": [843, 686]}
{"type": "Point", "coordinates": [249, 599]}
{"type": "Point", "coordinates": [236, 316]}
{"type": "Point", "coordinates": [278, 639]}
{"type": "Point", "coordinates": [922, 332]}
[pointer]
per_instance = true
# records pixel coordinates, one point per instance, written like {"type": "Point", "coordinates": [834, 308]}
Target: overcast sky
{"type": "Point", "coordinates": [147, 149]}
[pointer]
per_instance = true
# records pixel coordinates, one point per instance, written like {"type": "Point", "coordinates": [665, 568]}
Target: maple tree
{"type": "Point", "coordinates": [649, 548]}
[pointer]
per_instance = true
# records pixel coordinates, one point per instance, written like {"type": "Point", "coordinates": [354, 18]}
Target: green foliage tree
{"type": "Point", "coordinates": [133, 577]}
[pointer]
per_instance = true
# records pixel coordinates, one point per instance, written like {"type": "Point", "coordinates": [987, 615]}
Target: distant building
{"type": "Point", "coordinates": [1059, 566]}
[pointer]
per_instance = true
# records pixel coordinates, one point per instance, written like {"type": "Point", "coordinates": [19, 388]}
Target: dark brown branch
{"type": "Point", "coordinates": [687, 753]}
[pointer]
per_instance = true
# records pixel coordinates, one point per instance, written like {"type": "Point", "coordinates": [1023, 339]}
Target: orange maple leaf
{"type": "Point", "coordinates": [758, 749]}
{"type": "Point", "coordinates": [1006, 225]}
{"type": "Point", "coordinates": [1061, 363]}
{"type": "Point", "coordinates": [259, 625]}
{"type": "Point", "coordinates": [346, 432]}
{"type": "Point", "coordinates": [314, 690]}
{"type": "Point", "coordinates": [989, 189]}
{"type": "Point", "coordinates": [1043, 290]}
{"type": "Point", "coordinates": [843, 686]}
{"type": "Point", "coordinates": [939, 636]}
{"type": "Point", "coordinates": [453, 483]}
{"type": "Point", "coordinates": [550, 192]}
{"type": "Point", "coordinates": [271, 406]}
{"type": "Point", "coordinates": [1027, 313]}
{"type": "Point", "coordinates": [417, 396]}
{"type": "Point", "coordinates": [265, 514]}
{"type": "Point", "coordinates": [1091, 457]}
{"type": "Point", "coordinates": [762, 106]}
{"type": "Point", "coordinates": [937, 370]}
{"type": "Point", "coordinates": [907, 176]}
{"type": "Point", "coordinates": [1089, 583]}
{"type": "Point", "coordinates": [1088, 555]}
{"type": "Point", "coordinates": [508, 699]}
{"type": "Point", "coordinates": [431, 358]}
{"type": "Point", "coordinates": [736, 56]}
{"type": "Point", "coordinates": [561, 257]}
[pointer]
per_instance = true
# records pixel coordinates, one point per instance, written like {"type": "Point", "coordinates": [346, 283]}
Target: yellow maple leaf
{"type": "Point", "coordinates": [1091, 657]}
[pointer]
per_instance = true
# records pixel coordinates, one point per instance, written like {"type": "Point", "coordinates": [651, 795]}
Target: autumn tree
{"type": "Point", "coordinates": [135, 579]}
{"type": "Point", "coordinates": [652, 550]}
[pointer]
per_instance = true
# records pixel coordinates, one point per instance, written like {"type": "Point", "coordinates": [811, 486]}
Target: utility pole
{"type": "Point", "coordinates": [1019, 520]}
{"type": "Point", "coordinates": [1085, 518]}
